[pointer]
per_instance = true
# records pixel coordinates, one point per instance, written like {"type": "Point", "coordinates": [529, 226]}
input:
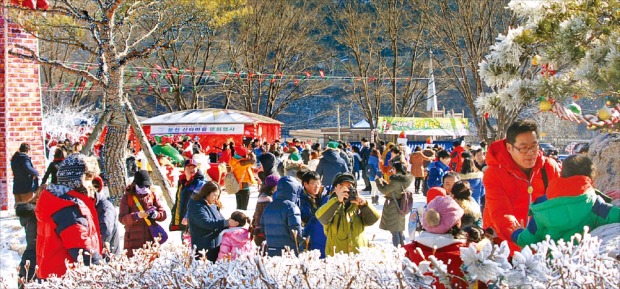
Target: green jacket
{"type": "Point", "coordinates": [562, 217]}
{"type": "Point", "coordinates": [344, 225]}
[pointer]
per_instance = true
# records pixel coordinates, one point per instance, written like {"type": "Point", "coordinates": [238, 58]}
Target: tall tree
{"type": "Point", "coordinates": [273, 56]}
{"type": "Point", "coordinates": [406, 65]}
{"type": "Point", "coordinates": [385, 54]}
{"type": "Point", "coordinates": [461, 33]}
{"type": "Point", "coordinates": [114, 33]}
{"type": "Point", "coordinates": [185, 75]}
{"type": "Point", "coordinates": [356, 30]}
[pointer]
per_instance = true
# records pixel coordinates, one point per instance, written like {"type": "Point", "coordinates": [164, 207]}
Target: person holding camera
{"type": "Point", "coordinates": [345, 216]}
{"type": "Point", "coordinates": [391, 218]}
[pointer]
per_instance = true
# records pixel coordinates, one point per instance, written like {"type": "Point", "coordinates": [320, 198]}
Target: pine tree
{"type": "Point", "coordinates": [562, 51]}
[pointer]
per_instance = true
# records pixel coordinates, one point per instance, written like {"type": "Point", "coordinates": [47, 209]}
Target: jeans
{"type": "Point", "coordinates": [398, 238]}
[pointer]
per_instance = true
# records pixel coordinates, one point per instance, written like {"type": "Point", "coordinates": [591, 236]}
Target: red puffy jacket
{"type": "Point", "coordinates": [67, 223]}
{"type": "Point", "coordinates": [450, 255]}
{"type": "Point", "coordinates": [506, 186]}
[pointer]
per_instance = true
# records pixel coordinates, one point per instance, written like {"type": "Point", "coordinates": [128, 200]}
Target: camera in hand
{"type": "Point", "coordinates": [352, 194]}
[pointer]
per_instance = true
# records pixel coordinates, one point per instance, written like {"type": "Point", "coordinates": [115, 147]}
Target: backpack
{"type": "Point", "coordinates": [406, 201]}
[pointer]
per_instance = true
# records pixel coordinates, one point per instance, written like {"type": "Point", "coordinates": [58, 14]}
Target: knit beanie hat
{"type": "Point", "coordinates": [295, 157]}
{"type": "Point", "coordinates": [332, 144]}
{"type": "Point", "coordinates": [142, 179]}
{"type": "Point", "coordinates": [272, 180]}
{"type": "Point", "coordinates": [441, 215]}
{"type": "Point", "coordinates": [71, 171]}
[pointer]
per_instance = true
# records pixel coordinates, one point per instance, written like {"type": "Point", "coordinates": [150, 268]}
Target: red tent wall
{"type": "Point", "coordinates": [213, 142]}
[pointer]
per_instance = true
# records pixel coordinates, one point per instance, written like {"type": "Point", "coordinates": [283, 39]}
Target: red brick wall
{"type": "Point", "coordinates": [20, 108]}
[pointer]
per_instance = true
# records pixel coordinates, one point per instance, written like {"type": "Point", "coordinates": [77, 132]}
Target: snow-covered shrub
{"type": "Point", "coordinates": [548, 264]}
{"type": "Point", "coordinates": [171, 266]}
{"type": "Point", "coordinates": [63, 122]}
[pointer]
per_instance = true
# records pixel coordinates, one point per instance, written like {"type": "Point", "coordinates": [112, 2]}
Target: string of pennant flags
{"type": "Point", "coordinates": [143, 75]}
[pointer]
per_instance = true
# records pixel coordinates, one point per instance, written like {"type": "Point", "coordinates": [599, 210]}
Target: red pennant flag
{"type": "Point", "coordinates": [140, 74]}
{"type": "Point", "coordinates": [296, 82]}
{"type": "Point", "coordinates": [308, 74]}
{"type": "Point", "coordinates": [158, 67]}
{"type": "Point", "coordinates": [322, 73]}
{"type": "Point", "coordinates": [40, 4]}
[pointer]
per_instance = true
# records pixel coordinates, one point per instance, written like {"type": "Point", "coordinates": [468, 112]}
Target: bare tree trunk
{"type": "Point", "coordinates": [96, 133]}
{"type": "Point", "coordinates": [114, 153]}
{"type": "Point", "coordinates": [148, 152]}
{"type": "Point", "coordinates": [115, 144]}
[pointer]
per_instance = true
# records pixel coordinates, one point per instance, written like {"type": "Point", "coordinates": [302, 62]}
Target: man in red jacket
{"type": "Point", "coordinates": [456, 158]}
{"type": "Point", "coordinates": [68, 224]}
{"type": "Point", "coordinates": [517, 175]}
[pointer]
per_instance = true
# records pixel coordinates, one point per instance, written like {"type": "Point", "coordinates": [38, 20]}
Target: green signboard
{"type": "Point", "coordinates": [444, 126]}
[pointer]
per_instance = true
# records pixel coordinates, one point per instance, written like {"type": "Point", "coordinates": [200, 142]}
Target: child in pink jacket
{"type": "Point", "coordinates": [236, 241]}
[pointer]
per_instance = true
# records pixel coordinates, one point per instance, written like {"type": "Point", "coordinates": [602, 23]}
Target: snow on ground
{"type": "Point", "coordinates": [12, 244]}
{"type": "Point", "coordinates": [13, 240]}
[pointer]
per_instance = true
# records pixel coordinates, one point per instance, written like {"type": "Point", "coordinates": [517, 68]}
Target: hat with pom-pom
{"type": "Point", "coordinates": [71, 170]}
{"type": "Point", "coordinates": [441, 215]}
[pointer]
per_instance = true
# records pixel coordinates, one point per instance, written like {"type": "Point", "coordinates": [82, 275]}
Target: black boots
{"type": "Point", "coordinates": [375, 200]}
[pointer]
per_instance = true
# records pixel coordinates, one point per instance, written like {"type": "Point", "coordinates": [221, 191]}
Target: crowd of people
{"type": "Point", "coordinates": [308, 200]}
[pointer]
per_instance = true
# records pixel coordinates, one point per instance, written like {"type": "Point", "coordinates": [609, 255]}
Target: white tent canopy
{"type": "Point", "coordinates": [210, 116]}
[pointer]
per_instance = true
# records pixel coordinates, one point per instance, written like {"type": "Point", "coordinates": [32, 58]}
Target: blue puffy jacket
{"type": "Point", "coordinates": [205, 224]}
{"type": "Point", "coordinates": [475, 182]}
{"type": "Point", "coordinates": [282, 218]}
{"type": "Point", "coordinates": [23, 174]}
{"type": "Point", "coordinates": [330, 165]}
{"type": "Point", "coordinates": [313, 228]}
{"type": "Point", "coordinates": [372, 168]}
{"type": "Point", "coordinates": [436, 170]}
